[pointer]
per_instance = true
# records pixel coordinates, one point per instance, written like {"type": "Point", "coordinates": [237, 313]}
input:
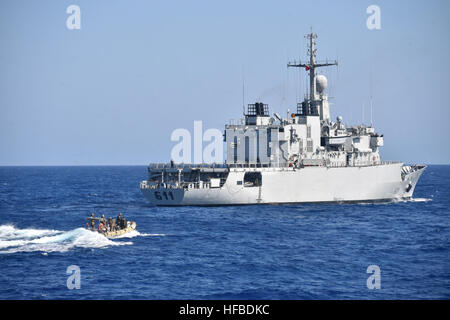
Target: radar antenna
{"type": "Point", "coordinates": [312, 65]}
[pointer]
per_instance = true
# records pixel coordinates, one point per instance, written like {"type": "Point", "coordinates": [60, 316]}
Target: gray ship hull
{"type": "Point", "coordinates": [296, 185]}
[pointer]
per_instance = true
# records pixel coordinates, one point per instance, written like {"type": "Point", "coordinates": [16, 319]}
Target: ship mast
{"type": "Point", "coordinates": [311, 66]}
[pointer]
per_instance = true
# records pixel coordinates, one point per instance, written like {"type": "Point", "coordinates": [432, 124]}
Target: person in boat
{"type": "Point", "coordinates": [101, 227]}
{"type": "Point", "coordinates": [109, 224]}
{"type": "Point", "coordinates": [119, 220]}
{"type": "Point", "coordinates": [103, 220]}
{"type": "Point", "coordinates": [113, 224]}
{"type": "Point", "coordinates": [92, 219]}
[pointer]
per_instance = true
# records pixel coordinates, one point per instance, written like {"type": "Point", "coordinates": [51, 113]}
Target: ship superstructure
{"type": "Point", "coordinates": [305, 157]}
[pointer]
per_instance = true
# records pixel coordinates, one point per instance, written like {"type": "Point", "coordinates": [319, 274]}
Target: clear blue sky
{"type": "Point", "coordinates": [113, 92]}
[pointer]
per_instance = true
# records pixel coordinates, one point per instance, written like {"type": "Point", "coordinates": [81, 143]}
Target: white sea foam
{"type": "Point", "coordinates": [9, 231]}
{"type": "Point", "coordinates": [420, 200]}
{"type": "Point", "coordinates": [414, 200]}
{"type": "Point", "coordinates": [399, 200]}
{"type": "Point", "coordinates": [136, 233]}
{"type": "Point", "coordinates": [13, 239]}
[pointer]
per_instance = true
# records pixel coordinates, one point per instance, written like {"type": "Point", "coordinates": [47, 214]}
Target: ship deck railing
{"type": "Point", "coordinates": [184, 166]}
{"type": "Point", "coordinates": [214, 165]}
{"type": "Point", "coordinates": [362, 164]}
{"type": "Point", "coordinates": [183, 185]}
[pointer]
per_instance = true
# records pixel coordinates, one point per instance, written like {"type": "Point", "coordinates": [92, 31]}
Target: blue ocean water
{"type": "Point", "coordinates": [312, 251]}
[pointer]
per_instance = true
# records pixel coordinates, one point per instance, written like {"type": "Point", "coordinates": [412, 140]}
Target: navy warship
{"type": "Point", "coordinates": [305, 157]}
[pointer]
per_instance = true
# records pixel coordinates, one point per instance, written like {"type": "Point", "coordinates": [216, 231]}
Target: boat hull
{"type": "Point", "coordinates": [113, 234]}
{"type": "Point", "coordinates": [299, 185]}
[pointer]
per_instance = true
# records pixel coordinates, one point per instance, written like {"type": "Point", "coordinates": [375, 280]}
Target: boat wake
{"type": "Point", "coordinates": [414, 200]}
{"type": "Point", "coordinates": [135, 233]}
{"type": "Point", "coordinates": [420, 199]}
{"type": "Point", "coordinates": [13, 240]}
{"type": "Point", "coordinates": [394, 201]}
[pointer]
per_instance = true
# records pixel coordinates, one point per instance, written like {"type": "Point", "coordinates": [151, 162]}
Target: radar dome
{"type": "Point", "coordinates": [321, 83]}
